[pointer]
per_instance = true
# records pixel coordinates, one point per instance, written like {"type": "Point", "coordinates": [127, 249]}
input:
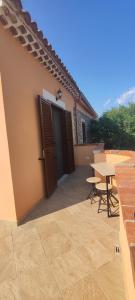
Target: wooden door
{"type": "Point", "coordinates": [68, 143]}
{"type": "Point", "coordinates": [57, 126]}
{"type": "Point", "coordinates": [48, 146]}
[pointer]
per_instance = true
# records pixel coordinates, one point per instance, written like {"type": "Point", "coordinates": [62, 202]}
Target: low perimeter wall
{"type": "Point", "coordinates": [124, 162]}
{"type": "Point", "coordinates": [84, 153]}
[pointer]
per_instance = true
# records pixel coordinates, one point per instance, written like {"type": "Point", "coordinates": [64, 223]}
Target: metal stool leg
{"type": "Point", "coordinates": [92, 194]}
{"type": "Point", "coordinates": [99, 203]}
{"type": "Point", "coordinates": [111, 200]}
{"type": "Point", "coordinates": [102, 201]}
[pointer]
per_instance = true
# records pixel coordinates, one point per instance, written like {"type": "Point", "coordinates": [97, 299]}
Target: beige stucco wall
{"type": "Point", "coordinates": [84, 153]}
{"type": "Point", "coordinates": [23, 79]}
{"type": "Point", "coordinates": [127, 268]}
{"type": "Point", "coordinates": [7, 206]}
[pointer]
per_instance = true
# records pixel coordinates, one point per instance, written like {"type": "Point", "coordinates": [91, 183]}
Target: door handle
{"type": "Point", "coordinates": [43, 155]}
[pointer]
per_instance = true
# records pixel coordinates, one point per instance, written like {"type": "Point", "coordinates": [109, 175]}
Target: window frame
{"type": "Point", "coordinates": [83, 125]}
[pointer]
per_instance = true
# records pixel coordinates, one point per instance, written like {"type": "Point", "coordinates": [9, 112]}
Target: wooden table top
{"type": "Point", "coordinates": [104, 168]}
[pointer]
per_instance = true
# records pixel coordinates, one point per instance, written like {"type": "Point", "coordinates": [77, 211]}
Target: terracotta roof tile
{"type": "Point", "coordinates": [17, 3]}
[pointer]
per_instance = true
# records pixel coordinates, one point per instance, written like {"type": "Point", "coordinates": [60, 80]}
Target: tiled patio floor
{"type": "Point", "coordinates": [64, 251]}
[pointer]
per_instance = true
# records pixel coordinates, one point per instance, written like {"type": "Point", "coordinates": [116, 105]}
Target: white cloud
{"type": "Point", "coordinates": [108, 101]}
{"type": "Point", "coordinates": [126, 97]}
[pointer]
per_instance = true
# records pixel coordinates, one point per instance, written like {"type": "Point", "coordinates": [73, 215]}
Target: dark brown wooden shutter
{"type": "Point", "coordinates": [68, 142]}
{"type": "Point", "coordinates": [48, 145]}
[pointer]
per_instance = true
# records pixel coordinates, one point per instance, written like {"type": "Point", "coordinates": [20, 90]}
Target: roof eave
{"type": "Point", "coordinates": [14, 15]}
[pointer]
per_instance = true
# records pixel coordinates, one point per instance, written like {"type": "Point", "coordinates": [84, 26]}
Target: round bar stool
{"type": "Point", "coordinates": [93, 193]}
{"type": "Point", "coordinates": [101, 191]}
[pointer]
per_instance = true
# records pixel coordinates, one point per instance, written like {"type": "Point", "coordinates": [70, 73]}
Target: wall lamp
{"type": "Point", "coordinates": [58, 95]}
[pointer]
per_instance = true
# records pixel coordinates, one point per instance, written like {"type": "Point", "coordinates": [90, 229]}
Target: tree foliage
{"type": "Point", "coordinates": [116, 128]}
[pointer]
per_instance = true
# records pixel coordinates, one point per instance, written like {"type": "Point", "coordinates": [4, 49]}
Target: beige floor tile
{"type": "Point", "coordinates": [73, 209]}
{"type": "Point", "coordinates": [9, 290]}
{"type": "Point", "coordinates": [113, 222]}
{"type": "Point", "coordinates": [78, 233]}
{"type": "Point", "coordinates": [110, 241]}
{"type": "Point", "coordinates": [56, 245]}
{"type": "Point", "coordinates": [48, 230]}
{"type": "Point", "coordinates": [8, 270]}
{"type": "Point", "coordinates": [37, 284]}
{"type": "Point", "coordinates": [84, 289]}
{"type": "Point", "coordinates": [95, 254]}
{"type": "Point", "coordinates": [109, 279]}
{"type": "Point", "coordinates": [64, 216]}
{"type": "Point", "coordinates": [83, 232]}
{"type": "Point", "coordinates": [82, 214]}
{"type": "Point", "coordinates": [100, 227]}
{"type": "Point", "coordinates": [7, 261]}
{"type": "Point", "coordinates": [68, 269]}
{"type": "Point", "coordinates": [23, 236]}
{"type": "Point", "coordinates": [30, 256]}
{"type": "Point", "coordinates": [6, 248]}
{"type": "Point", "coordinates": [47, 218]}
{"type": "Point", "coordinates": [66, 221]}
{"type": "Point", "coordinates": [64, 250]}
{"type": "Point", "coordinates": [6, 228]}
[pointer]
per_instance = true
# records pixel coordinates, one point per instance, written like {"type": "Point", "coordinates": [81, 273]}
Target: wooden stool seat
{"type": "Point", "coordinates": [93, 180]}
{"type": "Point", "coordinates": [102, 187]}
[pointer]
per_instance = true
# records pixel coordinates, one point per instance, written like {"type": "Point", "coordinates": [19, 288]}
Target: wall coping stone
{"type": "Point", "coordinates": [89, 144]}
{"type": "Point", "coordinates": [125, 178]}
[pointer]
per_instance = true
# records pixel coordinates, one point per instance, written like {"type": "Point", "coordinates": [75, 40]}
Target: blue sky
{"type": "Point", "coordinates": [96, 41]}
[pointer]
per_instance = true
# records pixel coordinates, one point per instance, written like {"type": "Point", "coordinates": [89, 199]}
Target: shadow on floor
{"type": "Point", "coordinates": [72, 190]}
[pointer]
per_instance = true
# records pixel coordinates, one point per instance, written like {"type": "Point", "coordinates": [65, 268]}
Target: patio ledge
{"type": "Point", "coordinates": [125, 179]}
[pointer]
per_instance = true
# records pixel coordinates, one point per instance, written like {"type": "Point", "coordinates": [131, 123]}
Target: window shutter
{"type": "Point", "coordinates": [48, 146]}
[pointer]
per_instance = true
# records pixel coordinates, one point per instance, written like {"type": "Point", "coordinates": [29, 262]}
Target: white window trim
{"type": "Point", "coordinates": [48, 96]}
